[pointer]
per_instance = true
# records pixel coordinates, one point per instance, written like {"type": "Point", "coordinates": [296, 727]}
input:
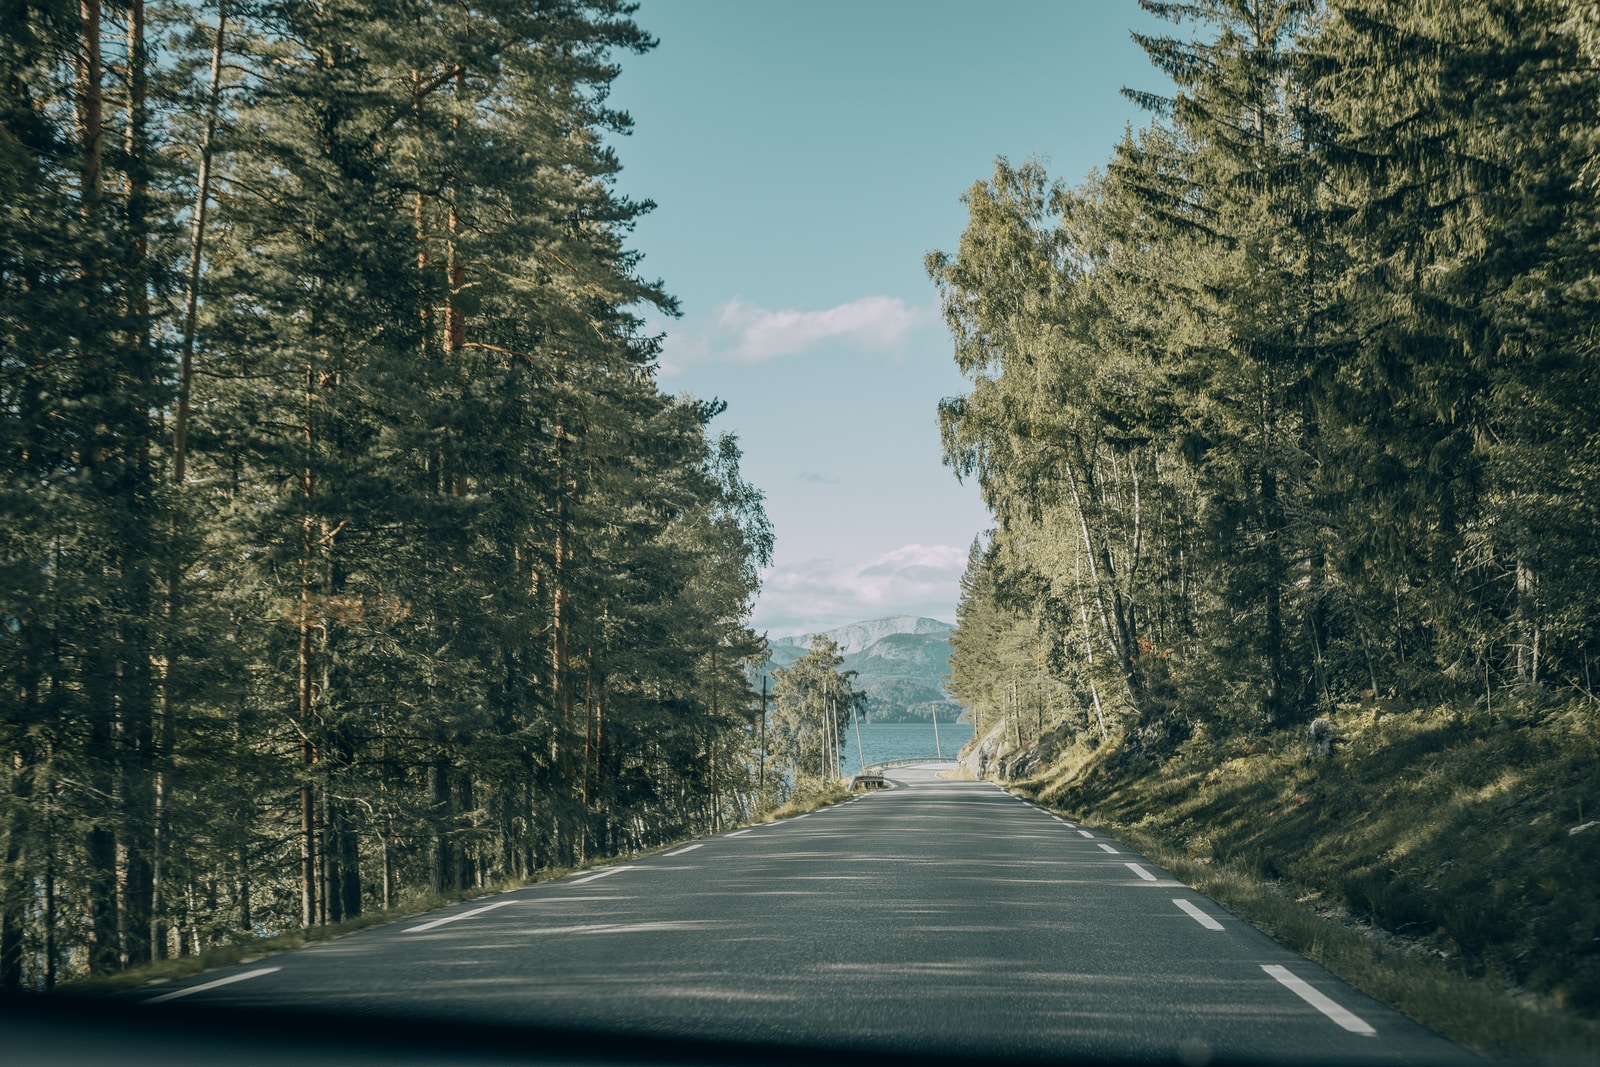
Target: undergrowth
{"type": "Point", "coordinates": [802, 801]}
{"type": "Point", "coordinates": [1442, 861]}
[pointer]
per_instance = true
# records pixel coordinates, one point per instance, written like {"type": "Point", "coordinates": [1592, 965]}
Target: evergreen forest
{"type": "Point", "coordinates": [350, 550]}
{"type": "Point", "coordinates": [1289, 420]}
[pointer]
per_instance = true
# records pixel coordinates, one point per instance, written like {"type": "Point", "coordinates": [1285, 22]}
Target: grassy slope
{"type": "Point", "coordinates": [1429, 861]}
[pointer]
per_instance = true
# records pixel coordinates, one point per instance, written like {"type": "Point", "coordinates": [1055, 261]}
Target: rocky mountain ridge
{"type": "Point", "coordinates": [900, 661]}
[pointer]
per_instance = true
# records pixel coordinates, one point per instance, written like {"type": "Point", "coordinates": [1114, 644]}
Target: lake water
{"type": "Point", "coordinates": [895, 740]}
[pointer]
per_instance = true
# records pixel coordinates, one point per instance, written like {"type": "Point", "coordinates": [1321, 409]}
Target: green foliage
{"type": "Point", "coordinates": [1287, 406]}
{"type": "Point", "coordinates": [402, 575]}
{"type": "Point", "coordinates": [1289, 409]}
{"type": "Point", "coordinates": [815, 702]}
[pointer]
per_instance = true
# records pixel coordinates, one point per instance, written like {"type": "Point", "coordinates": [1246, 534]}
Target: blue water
{"type": "Point", "coordinates": [893, 740]}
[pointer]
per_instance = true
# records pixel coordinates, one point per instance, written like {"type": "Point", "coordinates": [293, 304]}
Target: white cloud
{"type": "Point", "coordinates": [820, 594]}
{"type": "Point", "coordinates": [743, 333]}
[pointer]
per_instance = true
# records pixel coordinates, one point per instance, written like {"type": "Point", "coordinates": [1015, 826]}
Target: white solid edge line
{"type": "Point", "coordinates": [1140, 871]}
{"type": "Point", "coordinates": [1084, 833]}
{"type": "Point", "coordinates": [1196, 914]}
{"type": "Point", "coordinates": [175, 994]}
{"type": "Point", "coordinates": [1326, 1005]}
{"type": "Point", "coordinates": [686, 848]}
{"type": "Point", "coordinates": [1108, 848]}
{"type": "Point", "coordinates": [457, 918]}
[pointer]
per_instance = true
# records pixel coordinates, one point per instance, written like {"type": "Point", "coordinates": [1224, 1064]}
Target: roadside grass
{"type": "Point", "coordinates": [1437, 861]}
{"type": "Point", "coordinates": [810, 800]}
{"type": "Point", "coordinates": [169, 970]}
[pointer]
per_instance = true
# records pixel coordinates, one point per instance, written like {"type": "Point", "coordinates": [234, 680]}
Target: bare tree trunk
{"type": "Point", "coordinates": [197, 244]}
{"type": "Point", "coordinates": [308, 752]}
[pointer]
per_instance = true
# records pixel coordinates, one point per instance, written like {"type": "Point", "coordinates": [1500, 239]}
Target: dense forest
{"type": "Point", "coordinates": [1296, 399]}
{"type": "Point", "coordinates": [1289, 419]}
{"type": "Point", "coordinates": [350, 549]}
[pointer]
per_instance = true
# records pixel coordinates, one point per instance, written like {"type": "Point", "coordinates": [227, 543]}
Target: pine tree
{"type": "Point", "coordinates": [814, 703]}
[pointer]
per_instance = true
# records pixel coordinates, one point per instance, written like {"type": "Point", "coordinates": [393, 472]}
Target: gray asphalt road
{"type": "Point", "coordinates": [938, 916]}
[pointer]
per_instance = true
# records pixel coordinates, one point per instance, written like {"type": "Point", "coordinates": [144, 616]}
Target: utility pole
{"type": "Point", "coordinates": [761, 786]}
{"type": "Point", "coordinates": [861, 753]}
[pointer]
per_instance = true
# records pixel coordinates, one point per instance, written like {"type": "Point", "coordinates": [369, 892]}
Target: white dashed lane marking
{"type": "Point", "coordinates": [477, 911]}
{"type": "Point", "coordinates": [1196, 914]}
{"type": "Point", "coordinates": [1140, 871]}
{"type": "Point", "coordinates": [1323, 1003]}
{"type": "Point", "coordinates": [175, 994]}
{"type": "Point", "coordinates": [1108, 848]}
{"type": "Point", "coordinates": [686, 848]}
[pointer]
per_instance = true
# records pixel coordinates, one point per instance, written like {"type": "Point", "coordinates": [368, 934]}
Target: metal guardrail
{"type": "Point", "coordinates": [871, 776]}
{"type": "Point", "coordinates": [910, 762]}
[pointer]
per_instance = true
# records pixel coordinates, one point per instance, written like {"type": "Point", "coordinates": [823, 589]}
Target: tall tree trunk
{"type": "Point", "coordinates": [15, 898]}
{"type": "Point", "coordinates": [98, 665]}
{"type": "Point", "coordinates": [349, 869]}
{"type": "Point", "coordinates": [442, 875]}
{"type": "Point", "coordinates": [308, 752]}
{"type": "Point", "coordinates": [48, 905]}
{"type": "Point", "coordinates": [560, 682]}
{"type": "Point", "coordinates": [1272, 592]}
{"type": "Point", "coordinates": [138, 700]}
{"type": "Point", "coordinates": [197, 244]}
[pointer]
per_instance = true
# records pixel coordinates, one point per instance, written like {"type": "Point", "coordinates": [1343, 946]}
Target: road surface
{"type": "Point", "coordinates": [936, 917]}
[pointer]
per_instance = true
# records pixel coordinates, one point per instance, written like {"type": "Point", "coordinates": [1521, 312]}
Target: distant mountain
{"type": "Point", "coordinates": [856, 636]}
{"type": "Point", "coordinates": [900, 661]}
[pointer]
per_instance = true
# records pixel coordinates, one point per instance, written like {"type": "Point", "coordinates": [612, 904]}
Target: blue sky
{"type": "Point", "coordinates": [804, 158]}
